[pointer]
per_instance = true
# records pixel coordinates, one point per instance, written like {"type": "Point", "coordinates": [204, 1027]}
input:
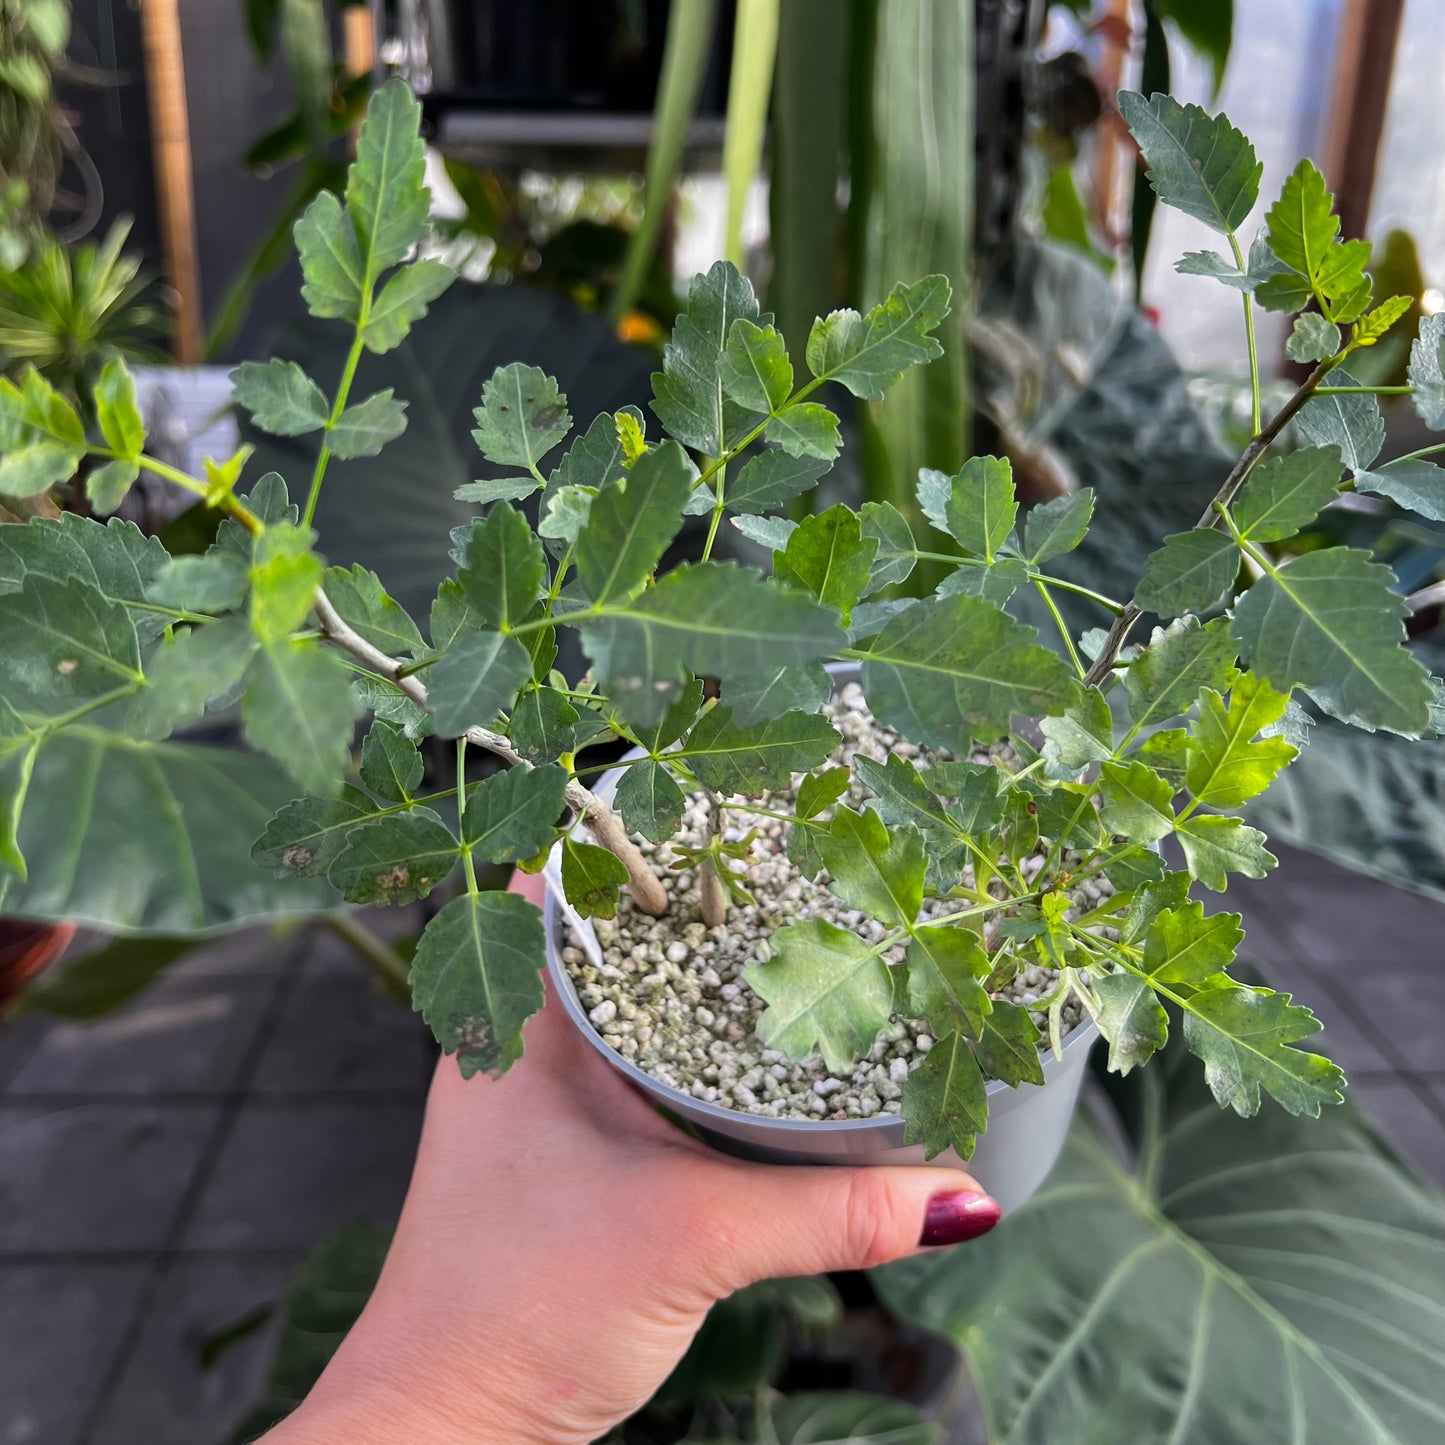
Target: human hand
{"type": "Point", "coordinates": [561, 1244]}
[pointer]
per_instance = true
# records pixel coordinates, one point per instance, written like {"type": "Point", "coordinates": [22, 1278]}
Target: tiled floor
{"type": "Point", "coordinates": [162, 1171]}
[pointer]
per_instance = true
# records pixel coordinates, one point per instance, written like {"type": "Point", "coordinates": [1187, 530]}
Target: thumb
{"type": "Point", "coordinates": [770, 1221]}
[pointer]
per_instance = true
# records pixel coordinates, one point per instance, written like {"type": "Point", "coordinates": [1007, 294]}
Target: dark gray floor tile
{"type": "Point", "coordinates": [19, 1037]}
{"type": "Point", "coordinates": [323, 953]}
{"type": "Point", "coordinates": [1407, 1120]}
{"type": "Point", "coordinates": [95, 1176]}
{"type": "Point", "coordinates": [291, 1173]}
{"type": "Point", "coordinates": [340, 1032]}
{"type": "Point", "coordinates": [182, 1036]}
{"type": "Point", "coordinates": [1402, 1010]}
{"type": "Point", "coordinates": [166, 1395]}
{"type": "Point", "coordinates": [259, 952]}
{"type": "Point", "coordinates": [61, 1326]}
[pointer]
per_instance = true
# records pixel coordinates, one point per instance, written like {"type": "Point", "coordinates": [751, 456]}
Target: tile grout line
{"type": "Point", "coordinates": [210, 1153]}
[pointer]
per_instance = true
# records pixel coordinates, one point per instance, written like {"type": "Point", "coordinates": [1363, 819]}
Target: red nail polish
{"type": "Point", "coordinates": [957, 1215]}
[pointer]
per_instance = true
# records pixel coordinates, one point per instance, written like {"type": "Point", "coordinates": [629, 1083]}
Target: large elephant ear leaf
{"type": "Point", "coordinates": [1263, 1279]}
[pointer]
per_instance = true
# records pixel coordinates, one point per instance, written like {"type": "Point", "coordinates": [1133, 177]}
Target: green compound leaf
{"type": "Point", "coordinates": [391, 767]}
{"type": "Point", "coordinates": [386, 196]}
{"type": "Point", "coordinates": [333, 275]}
{"type": "Point", "coordinates": [65, 640]}
{"type": "Point", "coordinates": [630, 523]}
{"type": "Point", "coordinates": [1131, 1018]}
{"type": "Point", "coordinates": [513, 815]}
{"type": "Point", "coordinates": [521, 418]}
{"type": "Point", "coordinates": [764, 756]}
{"type": "Point", "coordinates": [1285, 494]}
{"type": "Point", "coordinates": [825, 989]}
{"type": "Point", "coordinates": [1330, 622]}
{"type": "Point", "coordinates": [595, 457]}
{"type": "Point", "coordinates": [1352, 423]}
{"type": "Point", "coordinates": [995, 583]}
{"type": "Point", "coordinates": [1137, 802]}
{"type": "Point", "coordinates": [500, 489]}
{"type": "Point", "coordinates": [676, 718]}
{"type": "Point", "coordinates": [1229, 762]}
{"type": "Point", "coordinates": [1426, 373]}
{"type": "Point", "coordinates": [1243, 1035]}
{"type": "Point", "coordinates": [1181, 659]}
{"type": "Point", "coordinates": [828, 555]}
{"type": "Point", "coordinates": [875, 870]}
{"type": "Point", "coordinates": [41, 437]}
{"type": "Point", "coordinates": [364, 429]}
{"type": "Point", "coordinates": [477, 978]}
{"type": "Point", "coordinates": [946, 967]}
{"type": "Point", "coordinates": [650, 801]}
{"type": "Point", "coordinates": [688, 394]}
{"type": "Point", "coordinates": [396, 859]}
{"type": "Point", "coordinates": [1058, 526]}
{"type": "Point", "coordinates": [711, 618]}
{"type": "Point", "coordinates": [1370, 328]}
{"type": "Point", "coordinates": [543, 725]}
{"type": "Point", "coordinates": [1186, 948]}
{"type": "Point", "coordinates": [771, 533]}
{"type": "Point", "coordinates": [945, 1100]}
{"type": "Point", "coordinates": [951, 669]}
{"type": "Point", "coordinates": [867, 354]}
{"type": "Point", "coordinates": [215, 583]}
{"type": "Point", "coordinates": [1198, 163]}
{"type": "Point", "coordinates": [477, 679]}
{"type": "Point", "coordinates": [120, 420]}
{"type": "Point", "coordinates": [285, 574]}
{"type": "Point", "coordinates": [299, 708]}
{"type": "Point", "coordinates": [979, 506]}
{"type": "Point", "coordinates": [106, 486]}
{"type": "Point", "coordinates": [1080, 735]}
{"type": "Point", "coordinates": [501, 567]}
{"type": "Point", "coordinates": [386, 700]}
{"type": "Point", "coordinates": [1189, 573]}
{"type": "Point", "coordinates": [806, 429]}
{"type": "Point", "coordinates": [1009, 1048]}
{"type": "Point", "coordinates": [754, 367]}
{"type": "Point", "coordinates": [403, 302]}
{"type": "Point", "coordinates": [281, 398]}
{"type": "Point", "coordinates": [1302, 234]}
{"type": "Point", "coordinates": [364, 605]}
{"type": "Point", "coordinates": [592, 878]}
{"type": "Point", "coordinates": [894, 558]}
{"type": "Point", "coordinates": [1415, 484]}
{"type": "Point", "coordinates": [772, 478]}
{"type": "Point", "coordinates": [189, 670]}
{"type": "Point", "coordinates": [303, 839]}
{"type": "Point", "coordinates": [804, 689]}
{"type": "Point", "coordinates": [1216, 847]}
{"type": "Point", "coordinates": [1313, 338]}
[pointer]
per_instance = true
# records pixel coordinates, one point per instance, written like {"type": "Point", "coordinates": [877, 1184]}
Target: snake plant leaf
{"type": "Point", "coordinates": [364, 604]}
{"type": "Point", "coordinates": [1009, 1048]}
{"type": "Point", "coordinates": [829, 556]}
{"type": "Point", "coordinates": [1329, 622]}
{"type": "Point", "coordinates": [826, 989]}
{"type": "Point", "coordinates": [391, 767]}
{"type": "Point", "coordinates": [513, 815]}
{"type": "Point", "coordinates": [65, 640]}
{"type": "Point", "coordinates": [592, 878]}
{"type": "Point", "coordinates": [1179, 662]}
{"type": "Point", "coordinates": [189, 670]}
{"type": "Point", "coordinates": [403, 302]}
{"type": "Point", "coordinates": [501, 566]}
{"type": "Point", "coordinates": [770, 695]}
{"type": "Point", "coordinates": [951, 669]}
{"type": "Point", "coordinates": [1215, 847]}
{"type": "Point", "coordinates": [868, 353]}
{"type": "Point", "coordinates": [1189, 573]}
{"type": "Point", "coordinates": [1058, 526]}
{"type": "Point", "coordinates": [387, 200]}
{"type": "Point", "coordinates": [1353, 423]}
{"type": "Point", "coordinates": [477, 678]}
{"type": "Point", "coordinates": [1198, 163]}
{"type": "Point", "coordinates": [210, 584]}
{"type": "Point", "coordinates": [476, 978]}
{"type": "Point", "coordinates": [806, 429]}
{"type": "Point", "coordinates": [1312, 339]}
{"type": "Point", "coordinates": [543, 725]}
{"type": "Point", "coordinates": [1136, 802]}
{"type": "Point", "coordinates": [754, 367]}
{"type": "Point", "coordinates": [946, 968]}
{"type": "Point", "coordinates": [771, 478]}
{"type": "Point", "coordinates": [630, 523]}
{"type": "Point", "coordinates": [945, 1100]}
{"type": "Point", "coordinates": [1229, 761]}
{"type": "Point", "coordinates": [303, 839]}
{"type": "Point", "coordinates": [688, 394]}
{"type": "Point", "coordinates": [873, 868]}
{"type": "Point", "coordinates": [1426, 373]}
{"type": "Point", "coordinates": [395, 859]}
{"type": "Point", "coordinates": [980, 507]}
{"type": "Point", "coordinates": [333, 274]}
{"type": "Point", "coordinates": [299, 708]}
{"type": "Point", "coordinates": [1413, 483]}
{"type": "Point", "coordinates": [1082, 734]}
{"type": "Point", "coordinates": [650, 801]}
{"type": "Point", "coordinates": [729, 758]}
{"type": "Point", "coordinates": [708, 618]}
{"type": "Point", "coordinates": [365, 427]}
{"type": "Point", "coordinates": [41, 437]}
{"type": "Point", "coordinates": [1131, 1018]}
{"type": "Point", "coordinates": [281, 398]}
{"type": "Point", "coordinates": [1285, 494]}
{"type": "Point", "coordinates": [522, 416]}
{"type": "Point", "coordinates": [896, 552]}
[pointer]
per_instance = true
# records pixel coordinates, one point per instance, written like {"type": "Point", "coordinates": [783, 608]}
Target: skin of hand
{"type": "Point", "coordinates": [561, 1243]}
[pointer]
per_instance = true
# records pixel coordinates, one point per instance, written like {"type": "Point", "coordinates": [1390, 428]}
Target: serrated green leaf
{"type": "Point", "coordinates": [120, 420]}
{"type": "Point", "coordinates": [825, 989]}
{"type": "Point", "coordinates": [754, 367]}
{"type": "Point", "coordinates": [1413, 483]}
{"type": "Point", "coordinates": [1009, 1048]}
{"type": "Point", "coordinates": [676, 718]}
{"type": "Point", "coordinates": [732, 759]}
{"type": "Point", "coordinates": [34, 414]}
{"type": "Point", "coordinates": [32, 468]}
{"type": "Point", "coordinates": [1426, 373]}
{"type": "Point", "coordinates": [1313, 338]}
{"type": "Point", "coordinates": [403, 302]}
{"type": "Point", "coordinates": [769, 532]}
{"type": "Point", "coordinates": [565, 513]}
{"type": "Point", "coordinates": [216, 583]}
{"type": "Point", "coordinates": [951, 669]}
{"type": "Point", "coordinates": [65, 640]}
{"type": "Point", "coordinates": [543, 725]}
{"type": "Point", "coordinates": [1262, 265]}
{"type": "Point", "coordinates": [1136, 802]}
{"type": "Point", "coordinates": [1167, 752]}
{"type": "Point", "coordinates": [386, 196]}
{"type": "Point", "coordinates": [1229, 762]}
{"type": "Point", "coordinates": [303, 839]}
{"type": "Point", "coordinates": [451, 615]}
{"type": "Point", "coordinates": [501, 567]}
{"type": "Point", "coordinates": [596, 457]}
{"type": "Point", "coordinates": [106, 486]}
{"type": "Point", "coordinates": [650, 801]}
{"type": "Point", "coordinates": [1131, 1018]}
{"type": "Point", "coordinates": [1243, 1037]}
{"type": "Point", "coordinates": [1180, 660]}
{"type": "Point", "coordinates": [521, 418]}
{"type": "Point", "coordinates": [708, 618]}
{"type": "Point", "coordinates": [770, 695]}
{"type": "Point", "coordinates": [1186, 948]}
{"type": "Point", "coordinates": [396, 859]}
{"type": "Point", "coordinates": [1285, 494]}
{"type": "Point", "coordinates": [772, 478]}
{"type": "Point", "coordinates": [364, 429]}
{"type": "Point", "coordinates": [630, 523]}
{"type": "Point", "coordinates": [945, 1103]}
{"type": "Point", "coordinates": [894, 559]}
{"type": "Point", "coordinates": [829, 556]}
{"type": "Point", "coordinates": [902, 797]}
{"type": "Point", "coordinates": [475, 680]}
{"type": "Point", "coordinates": [185, 673]}
{"type": "Point", "coordinates": [806, 429]}
{"type": "Point", "coordinates": [1198, 163]}
{"type": "Point", "coordinates": [364, 604]}
{"type": "Point", "coordinates": [1058, 526]}
{"type": "Point", "coordinates": [1082, 734]}
{"type": "Point", "coordinates": [1353, 423]}
{"type": "Point", "coordinates": [873, 869]}
{"type": "Point", "coordinates": [1189, 573]}
{"type": "Point", "coordinates": [299, 708]}
{"type": "Point", "coordinates": [996, 582]}
{"type": "Point", "coordinates": [819, 791]}
{"type": "Point", "coordinates": [867, 354]}
{"type": "Point", "coordinates": [946, 968]}
{"type": "Point", "coordinates": [386, 700]}
{"type": "Point", "coordinates": [1302, 224]}
{"type": "Point", "coordinates": [513, 815]}
{"type": "Point", "coordinates": [391, 767]}
{"type": "Point", "coordinates": [333, 273]}
{"type": "Point", "coordinates": [281, 398]}
{"type": "Point", "coordinates": [1377, 323]}
{"type": "Point", "coordinates": [1329, 622]}
{"type": "Point", "coordinates": [477, 978]}
{"type": "Point", "coordinates": [285, 574]}
{"type": "Point", "coordinates": [1214, 847]}
{"type": "Point", "coordinates": [592, 878]}
{"type": "Point", "coordinates": [500, 489]}
{"type": "Point", "coordinates": [980, 508]}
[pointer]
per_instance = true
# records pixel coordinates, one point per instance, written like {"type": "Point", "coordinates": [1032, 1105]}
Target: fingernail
{"type": "Point", "coordinates": [957, 1215]}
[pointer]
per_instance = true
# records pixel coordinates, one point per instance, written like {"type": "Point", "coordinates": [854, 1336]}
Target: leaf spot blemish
{"type": "Point", "coordinates": [66, 666]}
{"type": "Point", "coordinates": [296, 856]}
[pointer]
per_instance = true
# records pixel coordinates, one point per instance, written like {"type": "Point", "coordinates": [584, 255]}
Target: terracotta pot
{"type": "Point", "coordinates": [26, 948]}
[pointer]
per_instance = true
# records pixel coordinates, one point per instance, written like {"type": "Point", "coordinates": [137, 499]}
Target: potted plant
{"type": "Point", "coordinates": [924, 884]}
